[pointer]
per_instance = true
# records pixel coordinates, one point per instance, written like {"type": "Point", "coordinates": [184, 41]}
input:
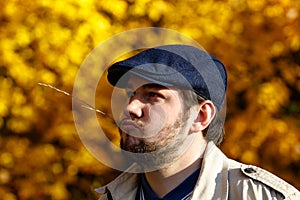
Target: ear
{"type": "Point", "coordinates": [206, 112]}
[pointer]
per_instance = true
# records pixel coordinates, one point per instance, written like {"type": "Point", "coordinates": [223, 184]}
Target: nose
{"type": "Point", "coordinates": [135, 108]}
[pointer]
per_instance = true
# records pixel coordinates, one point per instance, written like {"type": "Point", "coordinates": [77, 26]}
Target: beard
{"type": "Point", "coordinates": [160, 150]}
{"type": "Point", "coordinates": [147, 145]}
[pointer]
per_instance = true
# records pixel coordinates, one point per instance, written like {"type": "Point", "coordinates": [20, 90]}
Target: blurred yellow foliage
{"type": "Point", "coordinates": [273, 95]}
{"type": "Point", "coordinates": [41, 155]}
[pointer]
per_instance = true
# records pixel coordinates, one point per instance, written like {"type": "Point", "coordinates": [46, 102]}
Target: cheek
{"type": "Point", "coordinates": [158, 119]}
{"type": "Point", "coordinates": [165, 114]}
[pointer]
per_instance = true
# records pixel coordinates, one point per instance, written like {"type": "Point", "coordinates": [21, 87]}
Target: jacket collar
{"type": "Point", "coordinates": [124, 187]}
{"type": "Point", "coordinates": [213, 179]}
{"type": "Point", "coordinates": [212, 182]}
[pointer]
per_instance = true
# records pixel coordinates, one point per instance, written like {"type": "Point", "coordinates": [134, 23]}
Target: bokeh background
{"type": "Point", "coordinates": [41, 155]}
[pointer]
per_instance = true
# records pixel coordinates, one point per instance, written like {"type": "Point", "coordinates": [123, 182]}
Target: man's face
{"type": "Point", "coordinates": [153, 119]}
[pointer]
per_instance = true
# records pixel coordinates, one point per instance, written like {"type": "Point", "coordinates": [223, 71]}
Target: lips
{"type": "Point", "coordinates": [127, 125]}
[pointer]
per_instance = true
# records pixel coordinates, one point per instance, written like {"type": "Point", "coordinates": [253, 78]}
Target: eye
{"type": "Point", "coordinates": [153, 94]}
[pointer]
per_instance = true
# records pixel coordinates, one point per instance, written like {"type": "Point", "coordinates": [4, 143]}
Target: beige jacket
{"type": "Point", "coordinates": [220, 178]}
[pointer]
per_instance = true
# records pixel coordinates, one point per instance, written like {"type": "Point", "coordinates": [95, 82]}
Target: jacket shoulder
{"type": "Point", "coordinates": [269, 180]}
{"type": "Point", "coordinates": [122, 188]}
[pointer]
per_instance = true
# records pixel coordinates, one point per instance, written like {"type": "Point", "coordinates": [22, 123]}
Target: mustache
{"type": "Point", "coordinates": [138, 122]}
{"type": "Point", "coordinates": [129, 118]}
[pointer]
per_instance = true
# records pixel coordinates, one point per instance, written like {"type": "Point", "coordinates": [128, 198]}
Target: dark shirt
{"type": "Point", "coordinates": [182, 192]}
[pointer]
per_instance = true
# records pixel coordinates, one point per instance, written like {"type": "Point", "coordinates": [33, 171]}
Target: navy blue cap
{"type": "Point", "coordinates": [181, 66]}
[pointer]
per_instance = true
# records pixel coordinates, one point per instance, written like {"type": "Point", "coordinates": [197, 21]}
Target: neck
{"type": "Point", "coordinates": [164, 180]}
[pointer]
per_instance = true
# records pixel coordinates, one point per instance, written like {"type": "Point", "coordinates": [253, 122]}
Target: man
{"type": "Point", "coordinates": [172, 124]}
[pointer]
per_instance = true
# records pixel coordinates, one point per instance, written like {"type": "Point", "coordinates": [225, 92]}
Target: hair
{"type": "Point", "coordinates": [215, 131]}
